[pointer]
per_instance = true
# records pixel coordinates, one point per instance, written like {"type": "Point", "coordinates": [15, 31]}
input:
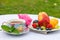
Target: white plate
{"type": "Point", "coordinates": [45, 31]}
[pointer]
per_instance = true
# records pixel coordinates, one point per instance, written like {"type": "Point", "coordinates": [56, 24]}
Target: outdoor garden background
{"type": "Point", "coordinates": [52, 7]}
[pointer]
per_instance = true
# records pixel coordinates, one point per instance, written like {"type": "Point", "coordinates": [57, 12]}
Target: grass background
{"type": "Point", "coordinates": [52, 7]}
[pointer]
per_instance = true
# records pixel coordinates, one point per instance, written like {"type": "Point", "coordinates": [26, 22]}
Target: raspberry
{"type": "Point", "coordinates": [34, 25]}
{"type": "Point", "coordinates": [49, 26]}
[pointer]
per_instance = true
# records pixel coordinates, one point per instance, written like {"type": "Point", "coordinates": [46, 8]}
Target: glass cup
{"type": "Point", "coordinates": [15, 26]}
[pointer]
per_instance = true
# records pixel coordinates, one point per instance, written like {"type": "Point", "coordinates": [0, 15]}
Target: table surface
{"type": "Point", "coordinates": [31, 35]}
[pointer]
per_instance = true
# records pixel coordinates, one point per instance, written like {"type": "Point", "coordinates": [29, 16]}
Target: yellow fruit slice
{"type": "Point", "coordinates": [57, 27]}
{"type": "Point", "coordinates": [54, 22]}
{"type": "Point", "coordinates": [42, 15]}
{"type": "Point", "coordinates": [20, 29]}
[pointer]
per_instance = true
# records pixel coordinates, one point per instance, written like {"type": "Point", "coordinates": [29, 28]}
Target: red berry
{"type": "Point", "coordinates": [46, 22]}
{"type": "Point", "coordinates": [49, 26]}
{"type": "Point", "coordinates": [34, 25]}
{"type": "Point", "coordinates": [43, 22]}
{"type": "Point", "coordinates": [40, 23]}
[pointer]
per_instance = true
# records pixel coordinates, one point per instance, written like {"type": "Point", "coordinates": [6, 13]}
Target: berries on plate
{"type": "Point", "coordinates": [49, 26]}
{"type": "Point", "coordinates": [44, 22]}
{"type": "Point", "coordinates": [40, 23]}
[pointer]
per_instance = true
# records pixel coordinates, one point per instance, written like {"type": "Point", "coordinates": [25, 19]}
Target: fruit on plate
{"type": "Point", "coordinates": [43, 28]}
{"type": "Point", "coordinates": [43, 15]}
{"type": "Point", "coordinates": [44, 22]}
{"type": "Point", "coordinates": [49, 26]}
{"type": "Point", "coordinates": [44, 18]}
{"type": "Point", "coordinates": [54, 22]}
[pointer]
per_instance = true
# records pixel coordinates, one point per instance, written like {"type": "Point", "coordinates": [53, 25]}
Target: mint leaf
{"type": "Point", "coordinates": [5, 28]}
{"type": "Point", "coordinates": [16, 31]}
{"type": "Point", "coordinates": [10, 29]}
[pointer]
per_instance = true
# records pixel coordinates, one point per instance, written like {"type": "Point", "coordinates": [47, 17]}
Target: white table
{"type": "Point", "coordinates": [30, 35]}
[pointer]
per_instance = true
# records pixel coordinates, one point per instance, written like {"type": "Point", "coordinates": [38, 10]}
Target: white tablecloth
{"type": "Point", "coordinates": [28, 36]}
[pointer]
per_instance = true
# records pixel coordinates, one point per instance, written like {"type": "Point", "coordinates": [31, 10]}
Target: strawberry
{"type": "Point", "coordinates": [40, 23]}
{"type": "Point", "coordinates": [45, 22]}
{"type": "Point", "coordinates": [49, 26]}
{"type": "Point", "coordinates": [34, 25]}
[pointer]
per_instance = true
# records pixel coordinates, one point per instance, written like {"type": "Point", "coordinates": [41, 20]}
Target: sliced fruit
{"type": "Point", "coordinates": [43, 18]}
{"type": "Point", "coordinates": [54, 22]}
{"type": "Point", "coordinates": [43, 15]}
{"type": "Point", "coordinates": [57, 27]}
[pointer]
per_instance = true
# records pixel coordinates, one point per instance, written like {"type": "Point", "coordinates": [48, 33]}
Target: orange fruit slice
{"type": "Point", "coordinates": [54, 22]}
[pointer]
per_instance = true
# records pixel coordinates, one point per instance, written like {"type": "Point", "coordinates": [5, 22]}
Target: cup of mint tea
{"type": "Point", "coordinates": [15, 27]}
